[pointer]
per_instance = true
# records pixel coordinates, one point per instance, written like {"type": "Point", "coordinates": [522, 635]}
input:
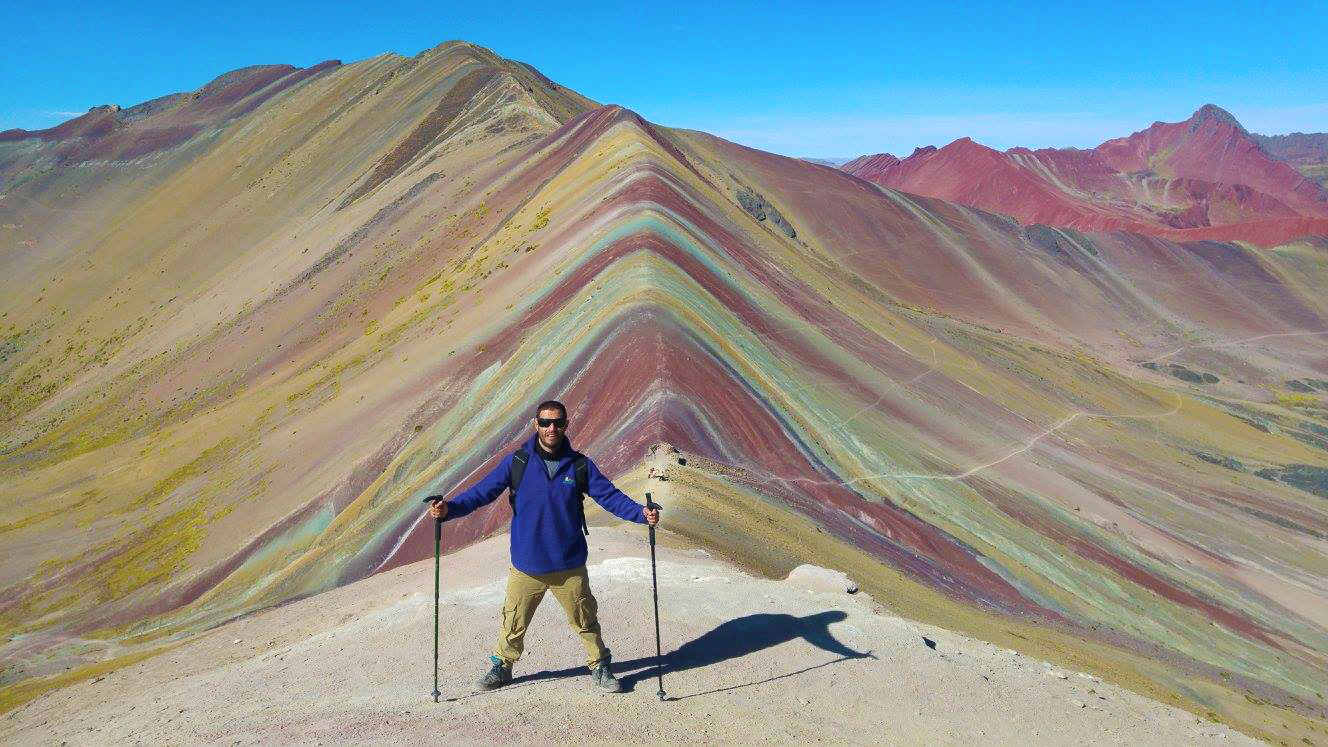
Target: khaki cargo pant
{"type": "Point", "coordinates": [572, 590]}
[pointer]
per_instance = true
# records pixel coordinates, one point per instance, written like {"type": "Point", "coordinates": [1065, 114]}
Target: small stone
{"type": "Point", "coordinates": [1077, 703]}
{"type": "Point", "coordinates": [237, 640]}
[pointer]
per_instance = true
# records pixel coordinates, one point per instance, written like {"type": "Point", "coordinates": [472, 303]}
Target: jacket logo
{"type": "Point", "coordinates": [567, 480]}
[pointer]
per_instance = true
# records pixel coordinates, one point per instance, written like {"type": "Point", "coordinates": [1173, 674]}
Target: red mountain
{"type": "Point", "coordinates": [1204, 178]}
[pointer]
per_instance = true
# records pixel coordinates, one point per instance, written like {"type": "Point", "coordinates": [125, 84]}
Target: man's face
{"type": "Point", "coordinates": [551, 435]}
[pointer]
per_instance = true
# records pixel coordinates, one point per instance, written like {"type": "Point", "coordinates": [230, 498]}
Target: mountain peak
{"type": "Point", "coordinates": [870, 167]}
{"type": "Point", "coordinates": [461, 45]}
{"type": "Point", "coordinates": [967, 147]}
{"type": "Point", "coordinates": [966, 143]}
{"type": "Point", "coordinates": [1215, 113]}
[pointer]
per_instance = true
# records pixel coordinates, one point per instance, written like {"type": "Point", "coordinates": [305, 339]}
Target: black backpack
{"type": "Point", "coordinates": [579, 466]}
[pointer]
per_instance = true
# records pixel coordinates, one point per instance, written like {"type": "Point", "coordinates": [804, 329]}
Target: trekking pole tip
{"type": "Point", "coordinates": [661, 695]}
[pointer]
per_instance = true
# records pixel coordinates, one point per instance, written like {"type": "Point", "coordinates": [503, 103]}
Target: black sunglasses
{"type": "Point", "coordinates": [546, 422]}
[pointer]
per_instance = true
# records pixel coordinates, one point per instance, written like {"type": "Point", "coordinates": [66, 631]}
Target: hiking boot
{"type": "Point", "coordinates": [604, 679]}
{"type": "Point", "coordinates": [498, 675]}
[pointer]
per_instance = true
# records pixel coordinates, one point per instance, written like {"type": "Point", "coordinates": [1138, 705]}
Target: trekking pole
{"type": "Point", "coordinates": [654, 592]}
{"type": "Point", "coordinates": [437, 544]}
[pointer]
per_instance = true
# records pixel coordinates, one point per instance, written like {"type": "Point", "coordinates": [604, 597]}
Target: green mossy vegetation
{"type": "Point", "coordinates": [148, 552]}
{"type": "Point", "coordinates": [152, 555]}
{"type": "Point", "coordinates": [541, 219]}
{"type": "Point", "coordinates": [64, 509]}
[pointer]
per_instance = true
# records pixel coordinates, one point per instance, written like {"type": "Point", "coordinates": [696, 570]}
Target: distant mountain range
{"type": "Point", "coordinates": [1307, 152]}
{"type": "Point", "coordinates": [1204, 178]}
{"type": "Point", "coordinates": [835, 162]}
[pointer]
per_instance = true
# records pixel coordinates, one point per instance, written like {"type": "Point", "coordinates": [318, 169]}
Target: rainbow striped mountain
{"type": "Point", "coordinates": [245, 329]}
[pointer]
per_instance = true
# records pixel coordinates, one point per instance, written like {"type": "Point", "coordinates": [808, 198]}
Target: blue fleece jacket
{"type": "Point", "coordinates": [546, 528]}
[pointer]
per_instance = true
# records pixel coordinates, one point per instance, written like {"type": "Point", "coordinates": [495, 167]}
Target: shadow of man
{"type": "Point", "coordinates": [747, 635]}
{"type": "Point", "coordinates": [733, 639]}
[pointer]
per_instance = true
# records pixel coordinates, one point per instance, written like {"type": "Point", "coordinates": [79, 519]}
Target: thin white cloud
{"type": "Point", "coordinates": [34, 119]}
{"type": "Point", "coordinates": [1281, 120]}
{"type": "Point", "coordinates": [900, 134]}
{"type": "Point", "coordinates": [839, 135]}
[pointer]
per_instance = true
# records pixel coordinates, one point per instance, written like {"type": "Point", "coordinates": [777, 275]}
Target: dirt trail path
{"type": "Point", "coordinates": [752, 660]}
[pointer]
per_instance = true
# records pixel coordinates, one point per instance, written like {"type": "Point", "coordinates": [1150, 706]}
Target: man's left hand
{"type": "Point", "coordinates": [652, 516]}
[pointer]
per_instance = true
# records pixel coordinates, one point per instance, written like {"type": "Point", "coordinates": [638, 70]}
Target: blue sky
{"type": "Point", "coordinates": [805, 79]}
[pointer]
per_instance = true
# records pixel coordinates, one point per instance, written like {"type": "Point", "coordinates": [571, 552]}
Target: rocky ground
{"type": "Point", "coordinates": [749, 660]}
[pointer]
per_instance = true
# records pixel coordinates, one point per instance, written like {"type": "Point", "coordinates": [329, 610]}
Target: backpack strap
{"type": "Point", "coordinates": [581, 466]}
{"type": "Point", "coordinates": [514, 474]}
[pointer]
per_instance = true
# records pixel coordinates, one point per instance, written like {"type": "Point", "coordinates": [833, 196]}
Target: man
{"type": "Point", "coordinates": [547, 547]}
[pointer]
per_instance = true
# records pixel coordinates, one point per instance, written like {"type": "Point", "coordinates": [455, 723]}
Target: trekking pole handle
{"type": "Point", "coordinates": [437, 523]}
{"type": "Point", "coordinates": [653, 507]}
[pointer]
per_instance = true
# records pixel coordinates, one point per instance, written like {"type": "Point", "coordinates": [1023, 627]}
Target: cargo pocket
{"type": "Point", "coordinates": [509, 640]}
{"type": "Point", "coordinates": [587, 613]}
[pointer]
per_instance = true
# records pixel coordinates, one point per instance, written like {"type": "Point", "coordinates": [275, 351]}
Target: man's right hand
{"type": "Point", "coordinates": [438, 509]}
